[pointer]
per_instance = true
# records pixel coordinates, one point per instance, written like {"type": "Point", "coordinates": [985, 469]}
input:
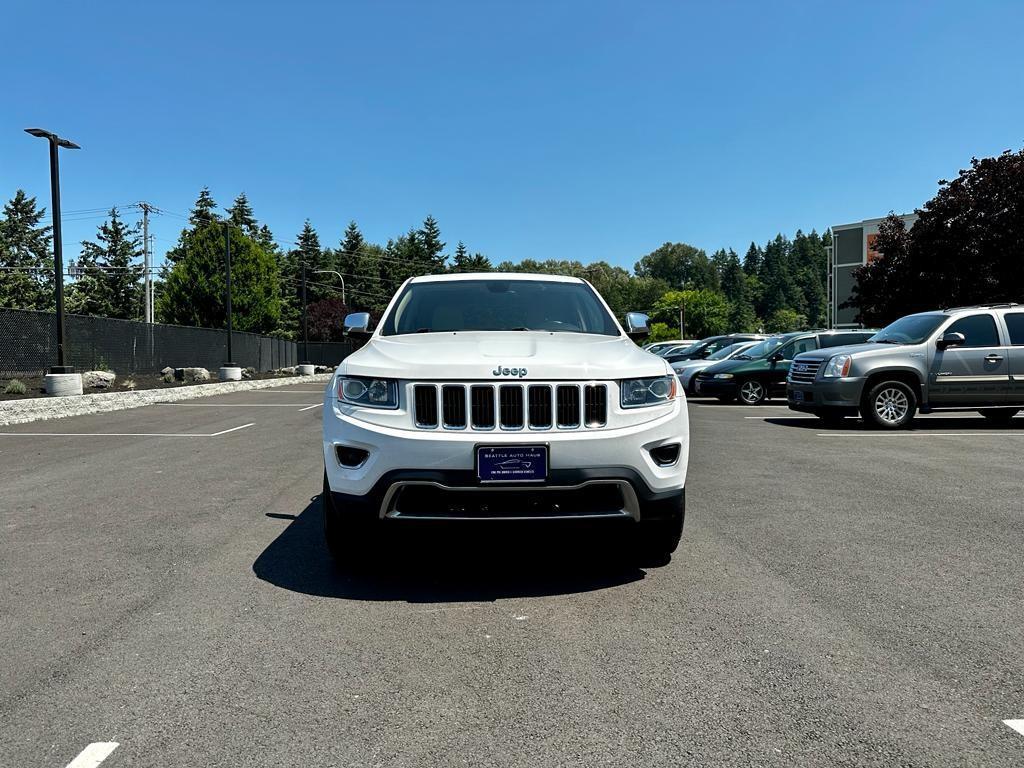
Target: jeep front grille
{"type": "Point", "coordinates": [510, 406]}
{"type": "Point", "coordinates": [804, 372]}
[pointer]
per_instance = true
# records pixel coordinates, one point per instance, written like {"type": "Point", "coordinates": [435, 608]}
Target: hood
{"type": "Point", "coordinates": [860, 350]}
{"type": "Point", "coordinates": [728, 366]}
{"type": "Point", "coordinates": [525, 355]}
{"type": "Point", "coordinates": [684, 365]}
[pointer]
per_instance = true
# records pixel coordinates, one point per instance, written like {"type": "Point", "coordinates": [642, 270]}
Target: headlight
{"type": "Point", "coordinates": [723, 375]}
{"type": "Point", "coordinates": [634, 393]}
{"type": "Point", "coordinates": [838, 367]}
{"type": "Point", "coordinates": [373, 393]}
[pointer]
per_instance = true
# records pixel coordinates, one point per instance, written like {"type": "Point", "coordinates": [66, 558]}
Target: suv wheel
{"type": "Point", "coordinates": [656, 540]}
{"type": "Point", "coordinates": [752, 392]}
{"type": "Point", "coordinates": [999, 416]}
{"type": "Point", "coordinates": [890, 405]}
{"type": "Point", "coordinates": [349, 534]}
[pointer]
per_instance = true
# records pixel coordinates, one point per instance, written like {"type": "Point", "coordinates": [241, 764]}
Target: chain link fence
{"type": "Point", "coordinates": [28, 346]}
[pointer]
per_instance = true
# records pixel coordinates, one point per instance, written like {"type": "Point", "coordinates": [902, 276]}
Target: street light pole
{"type": "Point", "coordinates": [56, 142]}
{"type": "Point", "coordinates": [62, 379]}
{"type": "Point", "coordinates": [338, 274]}
{"type": "Point", "coordinates": [229, 371]}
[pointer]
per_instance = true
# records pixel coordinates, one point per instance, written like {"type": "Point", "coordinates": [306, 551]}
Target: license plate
{"type": "Point", "coordinates": [512, 463]}
{"type": "Point", "coordinates": [796, 396]}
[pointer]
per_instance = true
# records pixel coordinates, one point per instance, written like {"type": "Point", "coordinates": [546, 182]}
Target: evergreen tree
{"type": "Point", "coordinates": [429, 237]}
{"type": "Point", "coordinates": [111, 272]}
{"type": "Point", "coordinates": [241, 215]}
{"type": "Point", "coordinates": [195, 287]}
{"type": "Point", "coordinates": [26, 263]}
{"type": "Point", "coordinates": [205, 209]}
{"type": "Point", "coordinates": [754, 260]}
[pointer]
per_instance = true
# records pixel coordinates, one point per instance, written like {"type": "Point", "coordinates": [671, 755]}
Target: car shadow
{"type": "Point", "coordinates": [440, 563]}
{"type": "Point", "coordinates": [919, 424]}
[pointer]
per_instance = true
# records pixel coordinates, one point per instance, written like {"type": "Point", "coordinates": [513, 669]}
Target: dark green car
{"type": "Point", "coordinates": [760, 372]}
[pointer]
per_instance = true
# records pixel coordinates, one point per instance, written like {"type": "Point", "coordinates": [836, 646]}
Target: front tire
{"type": "Point", "coordinates": [654, 541]}
{"type": "Point", "coordinates": [999, 417]}
{"type": "Point", "coordinates": [752, 392]}
{"type": "Point", "coordinates": [351, 535]}
{"type": "Point", "coordinates": [890, 405]}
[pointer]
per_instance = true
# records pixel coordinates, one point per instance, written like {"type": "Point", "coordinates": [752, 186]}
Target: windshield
{"type": "Point", "coordinates": [726, 352]}
{"type": "Point", "coordinates": [912, 329]}
{"type": "Point", "coordinates": [498, 305]}
{"type": "Point", "coordinates": [763, 349]}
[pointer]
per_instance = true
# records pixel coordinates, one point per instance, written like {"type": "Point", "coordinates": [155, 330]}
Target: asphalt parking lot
{"type": "Point", "coordinates": [840, 597]}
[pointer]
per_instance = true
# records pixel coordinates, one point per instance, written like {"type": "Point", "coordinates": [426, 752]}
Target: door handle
{"type": "Point", "coordinates": [993, 358]}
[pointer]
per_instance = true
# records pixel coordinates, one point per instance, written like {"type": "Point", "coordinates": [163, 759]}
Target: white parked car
{"type": "Point", "coordinates": [687, 370]}
{"type": "Point", "coordinates": [502, 396]}
{"type": "Point", "coordinates": [661, 347]}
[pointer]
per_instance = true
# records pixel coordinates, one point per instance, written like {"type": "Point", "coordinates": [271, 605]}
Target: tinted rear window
{"type": "Point", "coordinates": [1015, 324]}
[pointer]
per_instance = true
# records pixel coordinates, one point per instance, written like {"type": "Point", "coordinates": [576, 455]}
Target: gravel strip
{"type": "Point", "coordinates": [42, 408]}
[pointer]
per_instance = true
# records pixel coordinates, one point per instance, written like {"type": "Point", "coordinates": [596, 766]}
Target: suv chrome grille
{"type": "Point", "coordinates": [510, 406]}
{"type": "Point", "coordinates": [804, 372]}
{"type": "Point", "coordinates": [510, 397]}
{"type": "Point", "coordinates": [568, 405]}
{"type": "Point", "coordinates": [482, 398]}
{"type": "Point", "coordinates": [595, 405]}
{"type": "Point", "coordinates": [425, 398]}
{"type": "Point", "coordinates": [453, 406]}
{"type": "Point", "coordinates": [539, 396]}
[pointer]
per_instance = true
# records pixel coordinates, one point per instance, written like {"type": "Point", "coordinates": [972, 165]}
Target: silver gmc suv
{"type": "Point", "coordinates": [962, 358]}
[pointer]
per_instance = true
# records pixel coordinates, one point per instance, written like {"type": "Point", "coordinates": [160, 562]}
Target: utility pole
{"type": "Point", "coordinates": [682, 320]}
{"type": "Point", "coordinates": [147, 285]}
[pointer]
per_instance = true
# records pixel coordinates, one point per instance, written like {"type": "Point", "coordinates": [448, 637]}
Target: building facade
{"type": "Point", "coordinates": [852, 247]}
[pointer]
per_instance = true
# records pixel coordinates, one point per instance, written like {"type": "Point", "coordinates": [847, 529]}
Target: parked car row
{"type": "Point", "coordinates": [964, 358]}
{"type": "Point", "coordinates": [759, 371]}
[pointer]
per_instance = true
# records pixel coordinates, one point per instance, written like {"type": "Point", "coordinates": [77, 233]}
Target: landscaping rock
{"type": "Point", "coordinates": [97, 379]}
{"type": "Point", "coordinates": [289, 370]}
{"type": "Point", "coordinates": [168, 371]}
{"type": "Point", "coordinates": [248, 373]}
{"type": "Point", "coordinates": [192, 374]}
{"type": "Point", "coordinates": [325, 369]}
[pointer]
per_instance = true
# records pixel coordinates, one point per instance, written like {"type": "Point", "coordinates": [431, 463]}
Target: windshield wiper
{"type": "Point", "coordinates": [424, 330]}
{"type": "Point", "coordinates": [520, 328]}
{"type": "Point", "coordinates": [887, 341]}
{"type": "Point", "coordinates": [744, 357]}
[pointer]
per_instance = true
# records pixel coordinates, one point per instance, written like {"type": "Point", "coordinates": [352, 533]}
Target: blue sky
{"type": "Point", "coordinates": [583, 130]}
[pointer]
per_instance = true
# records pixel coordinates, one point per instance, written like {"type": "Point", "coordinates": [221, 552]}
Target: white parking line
{"type": "Point", "coordinates": [238, 405]}
{"type": "Point", "coordinates": [310, 407]}
{"type": "Point", "coordinates": [815, 418]}
{"type": "Point", "coordinates": [124, 434]}
{"type": "Point", "coordinates": [993, 433]}
{"type": "Point", "coordinates": [1017, 725]}
{"type": "Point", "coordinates": [746, 407]}
{"type": "Point", "coordinates": [93, 755]}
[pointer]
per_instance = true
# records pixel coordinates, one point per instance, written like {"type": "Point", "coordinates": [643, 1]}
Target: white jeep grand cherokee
{"type": "Point", "coordinates": [502, 397]}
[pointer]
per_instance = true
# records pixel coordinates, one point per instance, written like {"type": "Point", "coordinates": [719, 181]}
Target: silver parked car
{"type": "Point", "coordinates": [687, 370]}
{"type": "Point", "coordinates": [962, 358]}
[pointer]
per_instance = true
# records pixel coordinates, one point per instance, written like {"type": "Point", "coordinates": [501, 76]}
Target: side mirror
{"type": "Point", "coordinates": [357, 325]}
{"type": "Point", "coordinates": [776, 357]}
{"type": "Point", "coordinates": [636, 326]}
{"type": "Point", "coordinates": [951, 340]}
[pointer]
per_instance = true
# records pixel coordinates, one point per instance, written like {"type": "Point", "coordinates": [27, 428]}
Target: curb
{"type": "Point", "coordinates": [41, 408]}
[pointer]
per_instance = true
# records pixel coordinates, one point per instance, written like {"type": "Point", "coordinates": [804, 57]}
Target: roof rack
{"type": "Point", "coordinates": [997, 305]}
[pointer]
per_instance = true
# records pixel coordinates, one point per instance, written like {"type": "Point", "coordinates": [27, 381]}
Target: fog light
{"type": "Point", "coordinates": [665, 455]}
{"type": "Point", "coordinates": [350, 457]}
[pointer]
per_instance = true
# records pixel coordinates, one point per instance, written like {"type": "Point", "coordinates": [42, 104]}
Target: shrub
{"type": "Point", "coordinates": [15, 387]}
{"type": "Point", "coordinates": [168, 378]}
{"type": "Point", "coordinates": [128, 383]}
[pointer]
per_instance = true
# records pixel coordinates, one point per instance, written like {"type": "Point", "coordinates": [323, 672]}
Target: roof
{"type": "Point", "coordinates": [457, 276]}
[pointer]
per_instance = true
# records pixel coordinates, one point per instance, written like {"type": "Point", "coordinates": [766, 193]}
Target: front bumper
{"type": "Point", "coordinates": [711, 387]}
{"type": "Point", "coordinates": [610, 468]}
{"type": "Point", "coordinates": [833, 394]}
